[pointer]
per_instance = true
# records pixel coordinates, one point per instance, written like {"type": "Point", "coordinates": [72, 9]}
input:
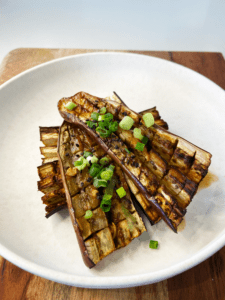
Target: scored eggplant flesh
{"type": "Point", "coordinates": [104, 232]}
{"type": "Point", "coordinates": [181, 164]}
{"type": "Point", "coordinates": [49, 137]}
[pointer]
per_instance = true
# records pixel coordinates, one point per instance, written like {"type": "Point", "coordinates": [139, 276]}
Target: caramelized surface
{"type": "Point", "coordinates": [168, 162]}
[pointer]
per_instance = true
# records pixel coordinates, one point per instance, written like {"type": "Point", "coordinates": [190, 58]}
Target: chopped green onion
{"type": "Point", "coordinates": [153, 244]}
{"type": "Point", "coordinates": [94, 170]}
{"type": "Point", "coordinates": [108, 116]}
{"type": "Point", "coordinates": [88, 214]}
{"type": "Point", "coordinates": [137, 133]}
{"type": "Point", "coordinates": [101, 118]}
{"type": "Point", "coordinates": [111, 167]}
{"type": "Point", "coordinates": [94, 116]}
{"type": "Point", "coordinates": [128, 151]}
{"type": "Point", "coordinates": [107, 175]}
{"type": "Point", "coordinates": [110, 187]}
{"type": "Point", "coordinates": [78, 163]}
{"type": "Point", "coordinates": [106, 197]}
{"type": "Point", "coordinates": [103, 110]}
{"type": "Point", "coordinates": [144, 140]}
{"type": "Point", "coordinates": [105, 205]}
{"type": "Point", "coordinates": [86, 154]}
{"type": "Point", "coordinates": [148, 119]}
{"type": "Point", "coordinates": [90, 124]}
{"type": "Point", "coordinates": [121, 192]}
{"type": "Point", "coordinates": [113, 126]}
{"type": "Point", "coordinates": [70, 105]}
{"type": "Point", "coordinates": [103, 132]}
{"type": "Point", "coordinates": [104, 160]}
{"type": "Point", "coordinates": [104, 124]}
{"type": "Point", "coordinates": [126, 123]}
{"type": "Point", "coordinates": [139, 146]}
{"type": "Point", "coordinates": [99, 183]}
{"type": "Point", "coordinates": [81, 163]}
{"type": "Point", "coordinates": [94, 159]}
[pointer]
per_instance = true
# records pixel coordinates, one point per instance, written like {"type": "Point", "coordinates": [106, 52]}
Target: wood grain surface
{"type": "Point", "coordinates": [203, 282]}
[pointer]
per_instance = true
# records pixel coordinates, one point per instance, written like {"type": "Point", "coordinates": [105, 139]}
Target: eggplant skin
{"type": "Point", "coordinates": [178, 165]}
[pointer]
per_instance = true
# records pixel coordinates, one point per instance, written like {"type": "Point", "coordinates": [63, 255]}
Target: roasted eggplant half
{"type": "Point", "coordinates": [55, 200]}
{"type": "Point", "coordinates": [103, 232]}
{"type": "Point", "coordinates": [168, 170]}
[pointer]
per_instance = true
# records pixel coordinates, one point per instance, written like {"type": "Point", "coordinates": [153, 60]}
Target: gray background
{"type": "Point", "coordinates": [102, 24]}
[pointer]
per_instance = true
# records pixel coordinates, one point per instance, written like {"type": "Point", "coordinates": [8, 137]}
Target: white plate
{"type": "Point", "coordinates": [193, 106]}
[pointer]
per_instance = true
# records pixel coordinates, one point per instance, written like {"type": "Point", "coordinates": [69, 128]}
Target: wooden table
{"type": "Point", "coordinates": [203, 282]}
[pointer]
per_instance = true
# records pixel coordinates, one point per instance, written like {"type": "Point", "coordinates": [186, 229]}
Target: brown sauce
{"type": "Point", "coordinates": [181, 226]}
{"type": "Point", "coordinates": [209, 179]}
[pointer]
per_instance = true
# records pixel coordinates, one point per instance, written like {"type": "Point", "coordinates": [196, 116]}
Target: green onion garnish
{"type": "Point", "coordinates": [111, 167]}
{"type": "Point", "coordinates": [103, 110]}
{"type": "Point", "coordinates": [153, 244]}
{"type": "Point", "coordinates": [110, 187]}
{"type": "Point", "coordinates": [108, 116]}
{"type": "Point", "coordinates": [104, 124]}
{"type": "Point", "coordinates": [148, 119]}
{"type": "Point", "coordinates": [113, 126]}
{"type": "Point", "coordinates": [88, 214]}
{"type": "Point", "coordinates": [70, 105]}
{"type": "Point", "coordinates": [94, 116]}
{"type": "Point", "coordinates": [99, 183]}
{"type": "Point", "coordinates": [106, 202]}
{"type": "Point", "coordinates": [103, 132]}
{"type": "Point", "coordinates": [104, 160]}
{"type": "Point", "coordinates": [144, 140]}
{"type": "Point", "coordinates": [107, 175]}
{"type": "Point", "coordinates": [106, 197]}
{"type": "Point", "coordinates": [128, 151]}
{"type": "Point", "coordinates": [86, 154]}
{"type": "Point", "coordinates": [106, 205]}
{"type": "Point", "coordinates": [121, 192]}
{"type": "Point", "coordinates": [101, 118]}
{"type": "Point", "coordinates": [139, 146]}
{"type": "Point", "coordinates": [78, 162]}
{"type": "Point", "coordinates": [137, 134]}
{"type": "Point", "coordinates": [81, 163]}
{"type": "Point", "coordinates": [90, 124]}
{"type": "Point", "coordinates": [94, 170]}
{"type": "Point", "coordinates": [126, 123]}
{"type": "Point", "coordinates": [94, 159]}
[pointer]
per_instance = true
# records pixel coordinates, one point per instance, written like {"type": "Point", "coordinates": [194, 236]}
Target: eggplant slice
{"type": "Point", "coordinates": [104, 232]}
{"type": "Point", "coordinates": [55, 200]}
{"type": "Point", "coordinates": [168, 171]}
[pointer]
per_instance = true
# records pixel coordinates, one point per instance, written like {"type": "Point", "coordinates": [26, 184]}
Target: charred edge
{"type": "Point", "coordinates": [119, 98]}
{"type": "Point", "coordinates": [161, 128]}
{"type": "Point", "coordinates": [88, 262]}
{"type": "Point", "coordinates": [73, 119]}
{"type": "Point", "coordinates": [165, 125]}
{"type": "Point", "coordinates": [179, 137]}
{"type": "Point", "coordinates": [55, 210]}
{"type": "Point", "coordinates": [139, 206]}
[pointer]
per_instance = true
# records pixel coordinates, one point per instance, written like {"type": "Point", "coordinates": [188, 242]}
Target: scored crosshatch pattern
{"type": "Point", "coordinates": [55, 200]}
{"type": "Point", "coordinates": [178, 183]}
{"type": "Point", "coordinates": [104, 232]}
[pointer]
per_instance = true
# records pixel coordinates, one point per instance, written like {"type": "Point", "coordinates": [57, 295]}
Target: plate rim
{"type": "Point", "coordinates": [126, 280]}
